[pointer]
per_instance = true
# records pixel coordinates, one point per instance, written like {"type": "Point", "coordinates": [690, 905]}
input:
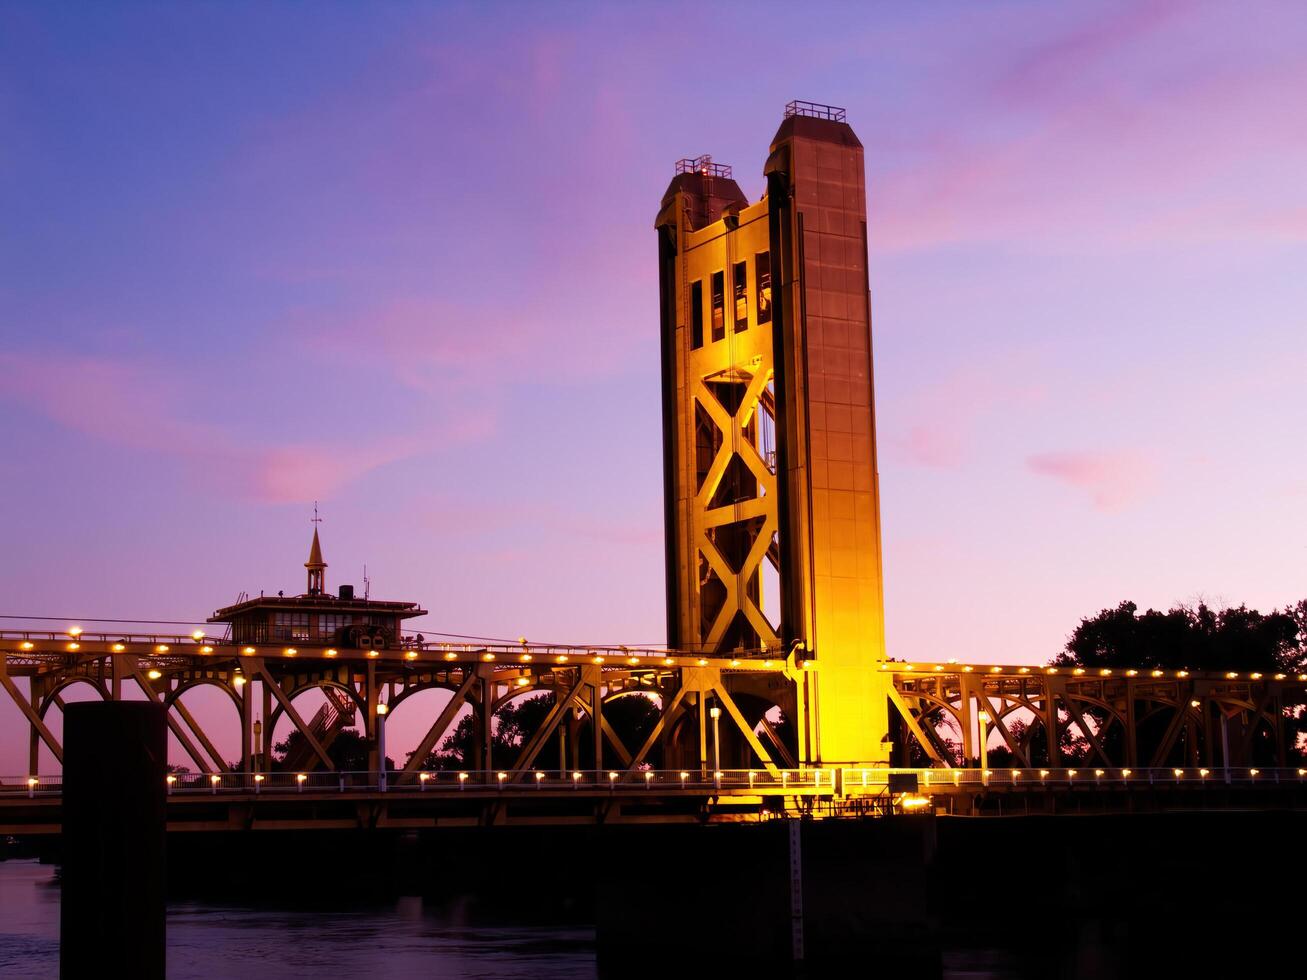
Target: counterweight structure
{"type": "Point", "coordinates": [769, 429]}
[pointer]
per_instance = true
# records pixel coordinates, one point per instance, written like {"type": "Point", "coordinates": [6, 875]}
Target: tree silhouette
{"type": "Point", "coordinates": [1191, 638]}
{"type": "Point", "coordinates": [1195, 638]}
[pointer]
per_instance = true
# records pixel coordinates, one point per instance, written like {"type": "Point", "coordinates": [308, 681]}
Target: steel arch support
{"type": "Point", "coordinates": [200, 734]}
{"type": "Point", "coordinates": [173, 725]}
{"type": "Point", "coordinates": [905, 712]}
{"type": "Point", "coordinates": [438, 727]}
{"type": "Point", "coordinates": [34, 719]}
{"type": "Point", "coordinates": [752, 739]}
{"type": "Point", "coordinates": [669, 714]}
{"type": "Point", "coordinates": [996, 716]}
{"type": "Point", "coordinates": [562, 705]}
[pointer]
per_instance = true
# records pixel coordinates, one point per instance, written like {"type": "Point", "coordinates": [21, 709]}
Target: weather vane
{"type": "Point", "coordinates": [315, 519]}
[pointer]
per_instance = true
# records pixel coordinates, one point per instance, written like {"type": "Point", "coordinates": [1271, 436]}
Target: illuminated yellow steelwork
{"type": "Point", "coordinates": [769, 433]}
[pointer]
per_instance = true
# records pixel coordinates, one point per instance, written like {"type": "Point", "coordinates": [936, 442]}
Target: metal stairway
{"type": "Point", "coordinates": [336, 714]}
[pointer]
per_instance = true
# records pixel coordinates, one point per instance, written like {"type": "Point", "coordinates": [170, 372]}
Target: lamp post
{"type": "Point", "coordinates": [258, 743]}
{"type": "Point", "coordinates": [715, 712]}
{"type": "Point", "coordinates": [381, 746]}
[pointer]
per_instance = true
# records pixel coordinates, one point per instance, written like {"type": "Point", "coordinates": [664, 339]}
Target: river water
{"type": "Point", "coordinates": [396, 940]}
{"type": "Point", "coordinates": [392, 941]}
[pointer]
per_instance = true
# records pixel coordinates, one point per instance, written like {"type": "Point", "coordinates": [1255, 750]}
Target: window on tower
{"type": "Point", "coordinates": [718, 305]}
{"type": "Point", "coordinates": [696, 314]}
{"type": "Point", "coordinates": [762, 276]}
{"type": "Point", "coordinates": [740, 290]}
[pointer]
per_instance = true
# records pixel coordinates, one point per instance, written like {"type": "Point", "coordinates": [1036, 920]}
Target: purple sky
{"type": "Point", "coordinates": [400, 259]}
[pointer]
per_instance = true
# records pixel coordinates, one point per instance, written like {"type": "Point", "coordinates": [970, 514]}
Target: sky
{"type": "Point", "coordinates": [399, 259]}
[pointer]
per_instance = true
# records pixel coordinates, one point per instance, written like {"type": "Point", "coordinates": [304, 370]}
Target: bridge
{"type": "Point", "coordinates": [775, 693]}
{"type": "Point", "coordinates": [1141, 738]}
{"type": "Point", "coordinates": [775, 697]}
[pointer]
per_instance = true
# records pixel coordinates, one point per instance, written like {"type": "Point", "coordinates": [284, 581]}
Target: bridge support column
{"type": "Point", "coordinates": [265, 747]}
{"type": "Point", "coordinates": [247, 727]}
{"type": "Point", "coordinates": [114, 818]}
{"type": "Point", "coordinates": [857, 895]}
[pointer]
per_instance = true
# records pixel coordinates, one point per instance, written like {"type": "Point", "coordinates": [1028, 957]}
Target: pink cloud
{"type": "Point", "coordinates": [932, 445]}
{"type": "Point", "coordinates": [139, 406]}
{"type": "Point", "coordinates": [1113, 480]}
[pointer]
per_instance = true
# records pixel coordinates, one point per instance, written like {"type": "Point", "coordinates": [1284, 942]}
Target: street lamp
{"type": "Point", "coordinates": [715, 712]}
{"type": "Point", "coordinates": [382, 710]}
{"type": "Point", "coordinates": [258, 743]}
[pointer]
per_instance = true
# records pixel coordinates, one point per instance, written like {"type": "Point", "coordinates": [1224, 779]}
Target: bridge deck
{"type": "Point", "coordinates": [280, 801]}
{"type": "Point", "coordinates": [942, 712]}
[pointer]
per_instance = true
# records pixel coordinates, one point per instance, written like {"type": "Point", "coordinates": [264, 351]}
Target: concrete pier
{"type": "Point", "coordinates": [112, 914]}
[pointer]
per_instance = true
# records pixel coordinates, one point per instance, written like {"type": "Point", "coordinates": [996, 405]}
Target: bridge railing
{"type": "Point", "coordinates": [806, 781]}
{"type": "Point", "coordinates": [453, 781]}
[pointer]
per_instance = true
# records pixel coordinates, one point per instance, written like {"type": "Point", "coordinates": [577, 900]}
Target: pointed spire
{"type": "Point", "coordinates": [316, 566]}
{"type": "Point", "coordinates": [315, 553]}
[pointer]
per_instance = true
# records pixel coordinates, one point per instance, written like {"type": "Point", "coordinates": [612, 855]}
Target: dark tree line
{"type": "Point", "coordinates": [1185, 637]}
{"type": "Point", "coordinates": [1191, 638]}
{"type": "Point", "coordinates": [1197, 638]}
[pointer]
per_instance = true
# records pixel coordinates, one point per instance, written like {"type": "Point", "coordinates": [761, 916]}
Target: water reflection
{"type": "Point", "coordinates": [400, 939]}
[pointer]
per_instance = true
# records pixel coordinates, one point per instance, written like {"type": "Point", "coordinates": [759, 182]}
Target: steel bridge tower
{"type": "Point", "coordinates": [770, 480]}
